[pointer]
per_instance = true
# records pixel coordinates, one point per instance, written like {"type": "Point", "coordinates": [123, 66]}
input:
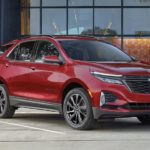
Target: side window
{"type": "Point", "coordinates": [46, 49]}
{"type": "Point", "coordinates": [13, 54]}
{"type": "Point", "coordinates": [23, 52]}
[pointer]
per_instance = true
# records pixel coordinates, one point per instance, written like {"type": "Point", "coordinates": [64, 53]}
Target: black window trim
{"type": "Point", "coordinates": [36, 50]}
{"type": "Point", "coordinates": [14, 60]}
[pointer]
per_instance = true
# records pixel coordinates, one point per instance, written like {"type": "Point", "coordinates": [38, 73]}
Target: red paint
{"type": "Point", "coordinates": [47, 82]}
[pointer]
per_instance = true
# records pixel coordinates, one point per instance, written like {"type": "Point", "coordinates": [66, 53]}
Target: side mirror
{"type": "Point", "coordinates": [53, 59]}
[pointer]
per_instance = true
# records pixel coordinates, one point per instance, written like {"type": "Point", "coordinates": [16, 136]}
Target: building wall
{"type": "Point", "coordinates": [9, 20]}
{"type": "Point", "coordinates": [124, 23]}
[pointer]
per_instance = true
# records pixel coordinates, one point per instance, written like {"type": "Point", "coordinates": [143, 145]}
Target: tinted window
{"type": "Point", "coordinates": [46, 49]}
{"type": "Point", "coordinates": [93, 51]}
{"type": "Point", "coordinates": [23, 52]}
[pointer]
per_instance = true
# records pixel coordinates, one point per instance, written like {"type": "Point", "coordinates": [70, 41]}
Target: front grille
{"type": "Point", "coordinates": [138, 84]}
{"type": "Point", "coordinates": [137, 106]}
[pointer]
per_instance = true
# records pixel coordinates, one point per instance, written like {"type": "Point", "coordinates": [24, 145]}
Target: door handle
{"type": "Point", "coordinates": [33, 68]}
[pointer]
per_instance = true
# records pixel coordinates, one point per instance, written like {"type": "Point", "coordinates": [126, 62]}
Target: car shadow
{"type": "Point", "coordinates": [121, 125]}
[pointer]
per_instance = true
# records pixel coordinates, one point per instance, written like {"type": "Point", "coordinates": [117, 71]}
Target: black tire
{"type": "Point", "coordinates": [145, 119]}
{"type": "Point", "coordinates": [6, 111]}
{"type": "Point", "coordinates": [77, 110]}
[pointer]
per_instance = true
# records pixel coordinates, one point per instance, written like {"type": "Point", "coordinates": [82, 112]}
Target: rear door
{"type": "Point", "coordinates": [17, 69]}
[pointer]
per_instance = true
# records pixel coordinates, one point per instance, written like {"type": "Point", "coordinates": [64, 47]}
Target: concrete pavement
{"type": "Point", "coordinates": [40, 130]}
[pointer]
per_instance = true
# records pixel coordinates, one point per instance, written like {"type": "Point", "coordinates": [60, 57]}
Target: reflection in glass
{"type": "Point", "coordinates": [138, 47]}
{"type": "Point", "coordinates": [30, 3]}
{"type": "Point", "coordinates": [107, 21]}
{"type": "Point", "coordinates": [136, 21]}
{"type": "Point", "coordinates": [107, 2]}
{"type": "Point", "coordinates": [80, 21]}
{"type": "Point", "coordinates": [54, 21]}
{"type": "Point", "coordinates": [80, 2]}
{"type": "Point", "coordinates": [53, 2]}
{"type": "Point", "coordinates": [137, 2]}
{"type": "Point", "coordinates": [30, 21]}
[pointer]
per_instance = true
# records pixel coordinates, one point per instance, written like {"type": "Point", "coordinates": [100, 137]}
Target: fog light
{"type": "Point", "coordinates": [102, 99]}
{"type": "Point", "coordinates": [107, 97]}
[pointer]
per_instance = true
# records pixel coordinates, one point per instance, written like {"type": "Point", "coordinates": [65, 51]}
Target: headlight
{"type": "Point", "coordinates": [109, 78]}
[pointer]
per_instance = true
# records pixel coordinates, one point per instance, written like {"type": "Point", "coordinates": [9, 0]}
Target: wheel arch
{"type": "Point", "coordinates": [71, 84]}
{"type": "Point", "coordinates": [2, 81]}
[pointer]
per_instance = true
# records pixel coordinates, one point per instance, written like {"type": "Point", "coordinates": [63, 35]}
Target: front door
{"type": "Point", "coordinates": [46, 78]}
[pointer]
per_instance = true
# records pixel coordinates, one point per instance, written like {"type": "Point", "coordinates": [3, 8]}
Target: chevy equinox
{"type": "Point", "coordinates": [81, 77]}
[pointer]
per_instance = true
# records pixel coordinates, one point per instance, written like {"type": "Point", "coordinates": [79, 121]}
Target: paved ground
{"type": "Point", "coordinates": [39, 130]}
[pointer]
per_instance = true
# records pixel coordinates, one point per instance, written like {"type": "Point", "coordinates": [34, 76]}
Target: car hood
{"type": "Point", "coordinates": [121, 68]}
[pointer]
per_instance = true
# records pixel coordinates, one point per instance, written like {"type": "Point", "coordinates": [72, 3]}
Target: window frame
{"type": "Point", "coordinates": [37, 48]}
{"type": "Point", "coordinates": [18, 45]}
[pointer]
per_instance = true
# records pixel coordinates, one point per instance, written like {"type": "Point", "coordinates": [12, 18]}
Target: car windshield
{"type": "Point", "coordinates": [4, 48]}
{"type": "Point", "coordinates": [96, 51]}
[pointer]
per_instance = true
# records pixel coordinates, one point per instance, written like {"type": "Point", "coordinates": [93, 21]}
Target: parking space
{"type": "Point", "coordinates": [40, 130]}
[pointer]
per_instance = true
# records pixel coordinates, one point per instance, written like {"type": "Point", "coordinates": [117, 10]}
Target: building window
{"type": "Point", "coordinates": [107, 21]}
{"type": "Point", "coordinates": [136, 21]}
{"type": "Point", "coordinates": [30, 3]}
{"type": "Point", "coordinates": [138, 47]}
{"type": "Point", "coordinates": [107, 3]}
{"type": "Point", "coordinates": [30, 21]}
{"type": "Point", "coordinates": [52, 3]}
{"type": "Point", "coordinates": [80, 2]}
{"type": "Point", "coordinates": [80, 21]}
{"type": "Point", "coordinates": [137, 2]}
{"type": "Point", "coordinates": [54, 21]}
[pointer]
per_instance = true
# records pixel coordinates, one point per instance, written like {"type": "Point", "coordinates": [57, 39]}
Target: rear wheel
{"type": "Point", "coordinates": [77, 109]}
{"type": "Point", "coordinates": [145, 119]}
{"type": "Point", "coordinates": [6, 111]}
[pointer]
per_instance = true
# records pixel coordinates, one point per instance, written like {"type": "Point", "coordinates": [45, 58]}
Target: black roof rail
{"type": "Point", "coordinates": [28, 36]}
{"type": "Point", "coordinates": [90, 36]}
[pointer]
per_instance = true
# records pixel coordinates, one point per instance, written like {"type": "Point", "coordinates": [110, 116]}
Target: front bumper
{"type": "Point", "coordinates": [101, 113]}
{"type": "Point", "coordinates": [125, 104]}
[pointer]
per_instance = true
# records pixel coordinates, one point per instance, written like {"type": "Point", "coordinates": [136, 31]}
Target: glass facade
{"type": "Point", "coordinates": [120, 22]}
{"type": "Point", "coordinates": [53, 21]}
{"type": "Point", "coordinates": [80, 21]}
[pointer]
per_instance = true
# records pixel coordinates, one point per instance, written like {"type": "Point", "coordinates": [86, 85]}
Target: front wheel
{"type": "Point", "coordinates": [6, 111]}
{"type": "Point", "coordinates": [77, 109]}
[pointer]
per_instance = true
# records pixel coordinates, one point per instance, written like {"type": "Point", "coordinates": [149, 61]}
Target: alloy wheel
{"type": "Point", "coordinates": [76, 109]}
{"type": "Point", "coordinates": [2, 101]}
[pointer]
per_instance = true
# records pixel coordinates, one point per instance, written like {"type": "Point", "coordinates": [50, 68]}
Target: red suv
{"type": "Point", "coordinates": [83, 78]}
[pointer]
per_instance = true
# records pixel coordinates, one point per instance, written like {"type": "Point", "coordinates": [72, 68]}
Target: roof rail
{"type": "Point", "coordinates": [90, 36]}
{"type": "Point", "coordinates": [28, 36]}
